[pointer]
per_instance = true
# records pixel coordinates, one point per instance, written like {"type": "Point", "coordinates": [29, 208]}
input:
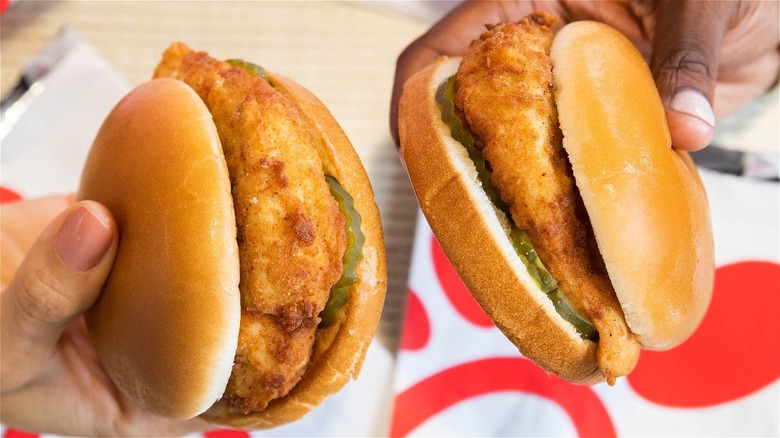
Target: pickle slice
{"type": "Point", "coordinates": [582, 325]}
{"type": "Point", "coordinates": [252, 69]}
{"type": "Point", "coordinates": [353, 254]}
{"type": "Point", "coordinates": [525, 249]}
{"type": "Point", "coordinates": [445, 98]}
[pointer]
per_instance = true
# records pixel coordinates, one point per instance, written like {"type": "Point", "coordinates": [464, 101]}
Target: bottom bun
{"type": "Point", "coordinates": [476, 244]}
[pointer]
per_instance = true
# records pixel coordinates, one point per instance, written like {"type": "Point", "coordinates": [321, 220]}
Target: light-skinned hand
{"type": "Point", "coordinates": [56, 256]}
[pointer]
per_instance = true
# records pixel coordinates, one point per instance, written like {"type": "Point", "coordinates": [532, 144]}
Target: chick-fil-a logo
{"type": "Point", "coordinates": [739, 338]}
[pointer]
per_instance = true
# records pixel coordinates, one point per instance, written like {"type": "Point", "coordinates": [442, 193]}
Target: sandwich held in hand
{"type": "Point", "coordinates": [544, 166]}
{"type": "Point", "coordinates": [250, 274]}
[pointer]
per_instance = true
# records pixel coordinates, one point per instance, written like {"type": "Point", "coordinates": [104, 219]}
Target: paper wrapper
{"type": "Point", "coordinates": [44, 153]}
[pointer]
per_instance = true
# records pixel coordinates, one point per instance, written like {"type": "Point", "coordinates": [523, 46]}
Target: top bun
{"type": "Point", "coordinates": [166, 325]}
{"type": "Point", "coordinates": [645, 200]}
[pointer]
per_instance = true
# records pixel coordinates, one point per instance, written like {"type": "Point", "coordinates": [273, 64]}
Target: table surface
{"type": "Point", "coordinates": [343, 52]}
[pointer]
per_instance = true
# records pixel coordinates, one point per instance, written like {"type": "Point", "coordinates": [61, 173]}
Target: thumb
{"type": "Point", "coordinates": [58, 280]}
{"type": "Point", "coordinates": [686, 49]}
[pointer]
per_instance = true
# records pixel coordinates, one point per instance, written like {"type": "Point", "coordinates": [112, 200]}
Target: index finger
{"type": "Point", "coordinates": [451, 36]}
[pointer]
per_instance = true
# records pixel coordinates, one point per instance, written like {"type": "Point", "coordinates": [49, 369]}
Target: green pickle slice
{"type": "Point", "coordinates": [445, 98]}
{"type": "Point", "coordinates": [252, 69]}
{"type": "Point", "coordinates": [353, 254]}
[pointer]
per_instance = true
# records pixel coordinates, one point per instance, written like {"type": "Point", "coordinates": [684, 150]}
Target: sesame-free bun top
{"type": "Point", "coordinates": [645, 200]}
{"type": "Point", "coordinates": [166, 325]}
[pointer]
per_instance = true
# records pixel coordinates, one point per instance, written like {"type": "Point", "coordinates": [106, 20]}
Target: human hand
{"type": "Point", "coordinates": [23, 222]}
{"type": "Point", "coordinates": [51, 380]}
{"type": "Point", "coordinates": [707, 58]}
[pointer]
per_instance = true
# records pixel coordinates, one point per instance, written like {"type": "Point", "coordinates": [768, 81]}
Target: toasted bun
{"type": "Point", "coordinates": [166, 325]}
{"type": "Point", "coordinates": [646, 203]}
{"type": "Point", "coordinates": [340, 349]}
{"type": "Point", "coordinates": [475, 242]}
{"type": "Point", "coordinates": [645, 200]}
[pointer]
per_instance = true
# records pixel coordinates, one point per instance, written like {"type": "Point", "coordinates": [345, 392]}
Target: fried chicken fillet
{"type": "Point", "coordinates": [505, 91]}
{"type": "Point", "coordinates": [291, 234]}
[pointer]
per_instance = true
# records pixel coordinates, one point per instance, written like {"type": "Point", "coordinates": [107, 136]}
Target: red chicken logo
{"type": "Point", "coordinates": [8, 195]}
{"type": "Point", "coordinates": [739, 338]}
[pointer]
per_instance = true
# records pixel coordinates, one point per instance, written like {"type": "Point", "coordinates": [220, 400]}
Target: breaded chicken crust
{"type": "Point", "coordinates": [291, 234]}
{"type": "Point", "coordinates": [505, 91]}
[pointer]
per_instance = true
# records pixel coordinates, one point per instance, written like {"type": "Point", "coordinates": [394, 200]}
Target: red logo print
{"type": "Point", "coordinates": [13, 433]}
{"type": "Point", "coordinates": [417, 327]}
{"type": "Point", "coordinates": [456, 291]}
{"type": "Point", "coordinates": [8, 195]}
{"type": "Point", "coordinates": [226, 433]}
{"type": "Point", "coordinates": [735, 351]}
{"type": "Point", "coordinates": [439, 392]}
{"type": "Point", "coordinates": [733, 354]}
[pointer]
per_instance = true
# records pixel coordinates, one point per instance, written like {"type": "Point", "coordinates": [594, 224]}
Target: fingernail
{"type": "Point", "coordinates": [693, 103]}
{"type": "Point", "coordinates": [83, 240]}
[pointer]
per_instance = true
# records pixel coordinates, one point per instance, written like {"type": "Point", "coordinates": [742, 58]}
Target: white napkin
{"type": "Point", "coordinates": [45, 150]}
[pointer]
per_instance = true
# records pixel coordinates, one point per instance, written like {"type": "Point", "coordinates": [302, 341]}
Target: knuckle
{"type": "Point", "coordinates": [688, 59]}
{"type": "Point", "coordinates": [41, 298]}
{"type": "Point", "coordinates": [409, 53]}
{"type": "Point", "coordinates": [687, 65]}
